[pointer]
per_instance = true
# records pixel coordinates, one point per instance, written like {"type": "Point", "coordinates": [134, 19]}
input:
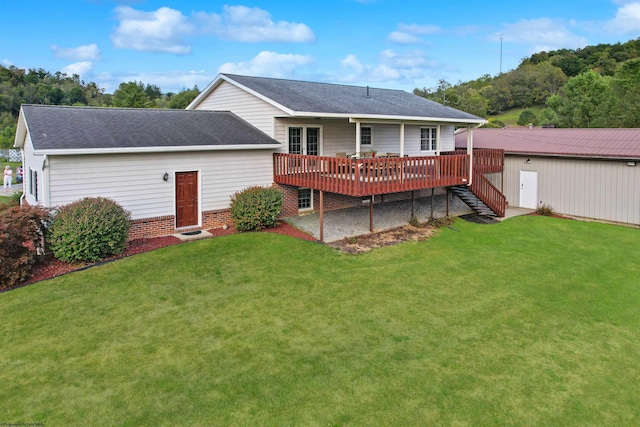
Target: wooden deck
{"type": "Point", "coordinates": [370, 176]}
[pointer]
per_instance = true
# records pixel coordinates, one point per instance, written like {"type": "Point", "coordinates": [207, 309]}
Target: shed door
{"type": "Point", "coordinates": [528, 189]}
{"type": "Point", "coordinates": [186, 199]}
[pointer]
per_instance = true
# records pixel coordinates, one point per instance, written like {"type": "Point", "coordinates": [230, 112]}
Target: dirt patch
{"type": "Point", "coordinates": [366, 242]}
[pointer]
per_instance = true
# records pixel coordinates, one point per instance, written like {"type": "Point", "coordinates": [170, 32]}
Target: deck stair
{"type": "Point", "coordinates": [465, 194]}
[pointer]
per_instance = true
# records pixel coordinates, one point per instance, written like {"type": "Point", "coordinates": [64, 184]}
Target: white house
{"type": "Point", "coordinates": [176, 170]}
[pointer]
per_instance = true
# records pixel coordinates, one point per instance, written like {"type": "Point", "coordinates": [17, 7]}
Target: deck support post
{"type": "Point", "coordinates": [413, 207]}
{"type": "Point", "coordinates": [432, 192]}
{"type": "Point", "coordinates": [371, 214]}
{"type": "Point", "coordinates": [321, 216]}
{"type": "Point", "coordinates": [448, 195]}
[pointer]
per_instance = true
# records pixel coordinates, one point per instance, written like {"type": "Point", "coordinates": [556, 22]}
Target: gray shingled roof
{"type": "Point", "coordinates": [77, 128]}
{"type": "Point", "coordinates": [572, 142]}
{"type": "Point", "coordinates": [325, 98]}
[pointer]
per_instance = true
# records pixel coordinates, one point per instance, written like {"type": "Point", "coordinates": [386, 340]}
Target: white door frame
{"type": "Point", "coordinates": [304, 140]}
{"type": "Point", "coordinates": [528, 189]}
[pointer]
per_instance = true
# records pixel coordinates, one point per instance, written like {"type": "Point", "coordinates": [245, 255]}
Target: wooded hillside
{"type": "Point", "coordinates": [32, 86]}
{"type": "Point", "coordinates": [597, 86]}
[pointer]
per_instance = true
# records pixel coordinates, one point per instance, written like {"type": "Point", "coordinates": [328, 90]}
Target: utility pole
{"type": "Point", "coordinates": [501, 53]}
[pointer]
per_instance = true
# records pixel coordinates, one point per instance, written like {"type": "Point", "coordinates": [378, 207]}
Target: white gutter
{"type": "Point", "coordinates": [132, 150]}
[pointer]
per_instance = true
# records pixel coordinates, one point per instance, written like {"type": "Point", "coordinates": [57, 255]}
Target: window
{"type": "Point", "coordinates": [305, 140]}
{"type": "Point", "coordinates": [305, 199]}
{"type": "Point", "coordinates": [365, 135]}
{"type": "Point", "coordinates": [33, 183]}
{"type": "Point", "coordinates": [428, 138]}
{"type": "Point", "coordinates": [295, 140]}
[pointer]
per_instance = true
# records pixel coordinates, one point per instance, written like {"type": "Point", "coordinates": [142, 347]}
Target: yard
{"type": "Point", "coordinates": [533, 321]}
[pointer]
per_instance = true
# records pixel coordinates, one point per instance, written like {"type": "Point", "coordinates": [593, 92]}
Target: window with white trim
{"type": "Point", "coordinates": [365, 135]}
{"type": "Point", "coordinates": [305, 199]}
{"type": "Point", "coordinates": [428, 138]}
{"type": "Point", "coordinates": [33, 183]}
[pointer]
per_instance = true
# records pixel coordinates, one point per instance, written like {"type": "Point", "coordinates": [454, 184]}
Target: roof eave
{"type": "Point", "coordinates": [572, 156]}
{"type": "Point", "coordinates": [172, 149]}
{"type": "Point", "coordinates": [378, 117]}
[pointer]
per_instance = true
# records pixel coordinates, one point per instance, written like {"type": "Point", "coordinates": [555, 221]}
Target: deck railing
{"type": "Point", "coordinates": [369, 176]}
{"type": "Point", "coordinates": [485, 160]}
{"type": "Point", "coordinates": [488, 193]}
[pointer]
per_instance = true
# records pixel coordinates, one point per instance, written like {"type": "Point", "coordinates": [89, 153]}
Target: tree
{"type": "Point", "coordinates": [153, 92]}
{"type": "Point", "coordinates": [585, 101]}
{"type": "Point", "coordinates": [130, 95]}
{"type": "Point", "coordinates": [184, 98]}
{"type": "Point", "coordinates": [625, 86]}
{"type": "Point", "coordinates": [527, 117]}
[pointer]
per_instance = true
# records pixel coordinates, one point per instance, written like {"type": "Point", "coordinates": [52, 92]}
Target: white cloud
{"type": "Point", "coordinates": [81, 53]}
{"type": "Point", "coordinates": [164, 30]}
{"type": "Point", "coordinates": [172, 81]}
{"type": "Point", "coordinates": [81, 68]}
{"type": "Point", "coordinates": [245, 24]}
{"type": "Point", "coordinates": [410, 33]}
{"type": "Point", "coordinates": [404, 67]}
{"type": "Point", "coordinates": [268, 64]}
{"type": "Point", "coordinates": [6, 63]}
{"type": "Point", "coordinates": [403, 38]}
{"type": "Point", "coordinates": [541, 34]}
{"type": "Point", "coordinates": [419, 29]}
{"type": "Point", "coordinates": [627, 19]}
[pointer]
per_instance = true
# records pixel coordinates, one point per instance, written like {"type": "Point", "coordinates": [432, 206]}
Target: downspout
{"type": "Point", "coordinates": [45, 180]}
{"type": "Point", "coordinates": [402, 139]}
{"type": "Point", "coordinates": [358, 133]}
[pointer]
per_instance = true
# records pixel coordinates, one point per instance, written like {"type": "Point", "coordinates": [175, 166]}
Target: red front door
{"type": "Point", "coordinates": [186, 199]}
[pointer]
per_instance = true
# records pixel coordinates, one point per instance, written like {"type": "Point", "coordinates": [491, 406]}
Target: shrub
{"type": "Point", "coordinates": [22, 233]}
{"type": "Point", "coordinates": [89, 229]}
{"type": "Point", "coordinates": [545, 210]}
{"type": "Point", "coordinates": [441, 221]}
{"type": "Point", "coordinates": [527, 117]}
{"type": "Point", "coordinates": [255, 208]}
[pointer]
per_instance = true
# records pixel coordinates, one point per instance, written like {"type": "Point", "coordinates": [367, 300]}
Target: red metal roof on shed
{"type": "Point", "coordinates": [617, 143]}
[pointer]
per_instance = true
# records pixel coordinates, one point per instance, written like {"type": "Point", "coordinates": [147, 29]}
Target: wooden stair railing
{"type": "Point", "coordinates": [488, 193]}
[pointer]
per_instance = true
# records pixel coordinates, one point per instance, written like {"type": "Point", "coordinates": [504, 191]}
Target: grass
{"type": "Point", "coordinates": [533, 321]}
{"type": "Point", "coordinates": [510, 118]}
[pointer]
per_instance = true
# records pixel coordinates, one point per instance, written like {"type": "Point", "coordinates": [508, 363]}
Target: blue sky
{"type": "Point", "coordinates": [383, 43]}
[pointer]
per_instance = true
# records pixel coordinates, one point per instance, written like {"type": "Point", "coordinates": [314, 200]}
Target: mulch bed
{"type": "Point", "coordinates": [49, 267]}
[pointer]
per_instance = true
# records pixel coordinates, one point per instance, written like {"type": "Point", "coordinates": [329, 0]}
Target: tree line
{"type": "Point", "coordinates": [39, 86]}
{"type": "Point", "coordinates": [597, 86]}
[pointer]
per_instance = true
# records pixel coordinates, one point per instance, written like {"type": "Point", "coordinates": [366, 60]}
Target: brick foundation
{"type": "Point", "coordinates": [164, 225]}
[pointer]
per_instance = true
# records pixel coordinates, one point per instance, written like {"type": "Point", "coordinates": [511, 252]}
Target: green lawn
{"type": "Point", "coordinates": [510, 118]}
{"type": "Point", "coordinates": [533, 321]}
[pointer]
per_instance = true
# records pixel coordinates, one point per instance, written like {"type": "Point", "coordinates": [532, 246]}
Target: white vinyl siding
{"type": "Point", "coordinates": [227, 97]}
{"type": "Point", "coordinates": [340, 136]}
{"type": "Point", "coordinates": [136, 180]}
{"type": "Point", "coordinates": [599, 189]}
{"type": "Point", "coordinates": [33, 168]}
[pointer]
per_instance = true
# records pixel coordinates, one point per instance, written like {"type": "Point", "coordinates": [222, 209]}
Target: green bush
{"type": "Point", "coordinates": [89, 229]}
{"type": "Point", "coordinates": [22, 233]}
{"type": "Point", "coordinates": [527, 117]}
{"type": "Point", "coordinates": [255, 208]}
